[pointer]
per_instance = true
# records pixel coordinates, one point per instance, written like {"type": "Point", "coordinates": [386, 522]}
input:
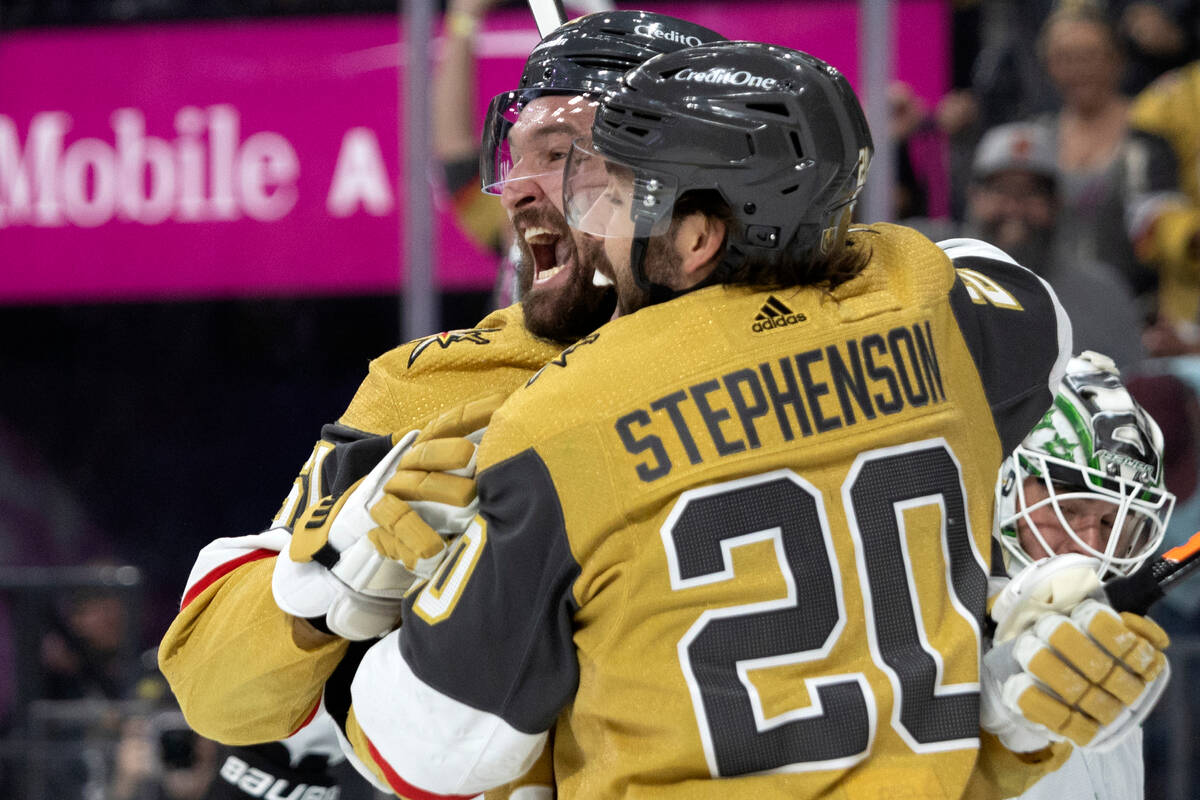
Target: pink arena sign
{"type": "Point", "coordinates": [262, 158]}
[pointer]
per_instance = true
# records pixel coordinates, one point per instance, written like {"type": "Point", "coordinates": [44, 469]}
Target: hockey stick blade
{"type": "Point", "coordinates": [1142, 589]}
{"type": "Point", "coordinates": [548, 14]}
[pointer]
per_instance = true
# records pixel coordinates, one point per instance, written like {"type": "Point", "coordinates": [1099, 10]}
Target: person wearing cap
{"type": "Point", "coordinates": [1013, 202]}
{"type": "Point", "coordinates": [1111, 176]}
{"type": "Point", "coordinates": [266, 618]}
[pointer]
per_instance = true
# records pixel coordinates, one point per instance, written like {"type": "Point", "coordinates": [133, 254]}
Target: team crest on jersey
{"type": "Point", "coordinates": [561, 359]}
{"type": "Point", "coordinates": [447, 338]}
{"type": "Point", "coordinates": [775, 314]}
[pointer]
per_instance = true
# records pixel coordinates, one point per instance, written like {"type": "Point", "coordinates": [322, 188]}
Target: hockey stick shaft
{"type": "Point", "coordinates": [1142, 589]}
{"type": "Point", "coordinates": [548, 14]}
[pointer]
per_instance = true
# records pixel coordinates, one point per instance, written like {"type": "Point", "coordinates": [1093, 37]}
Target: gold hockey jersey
{"type": "Point", "coordinates": [231, 656]}
{"type": "Point", "coordinates": [735, 545]}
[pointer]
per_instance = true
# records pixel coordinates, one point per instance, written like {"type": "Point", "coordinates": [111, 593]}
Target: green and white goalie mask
{"type": "Point", "coordinates": [1095, 464]}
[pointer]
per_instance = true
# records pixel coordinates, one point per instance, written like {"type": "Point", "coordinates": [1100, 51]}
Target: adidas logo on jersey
{"type": "Point", "coordinates": [775, 314]}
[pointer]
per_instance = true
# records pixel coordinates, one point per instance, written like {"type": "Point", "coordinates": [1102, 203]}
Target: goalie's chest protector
{"type": "Point", "coordinates": [778, 504]}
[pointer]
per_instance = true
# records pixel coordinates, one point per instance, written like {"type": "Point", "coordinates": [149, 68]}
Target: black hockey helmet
{"type": "Point", "coordinates": [779, 134]}
{"type": "Point", "coordinates": [585, 56]}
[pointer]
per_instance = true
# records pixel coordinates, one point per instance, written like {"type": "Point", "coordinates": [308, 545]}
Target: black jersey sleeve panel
{"type": "Point", "coordinates": [355, 453]}
{"type": "Point", "coordinates": [337, 433]}
{"type": "Point", "coordinates": [1019, 353]}
{"type": "Point", "coordinates": [336, 697]}
{"type": "Point", "coordinates": [507, 648]}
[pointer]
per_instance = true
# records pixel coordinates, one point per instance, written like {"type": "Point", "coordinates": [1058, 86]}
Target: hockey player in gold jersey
{"type": "Point", "coordinates": [246, 671]}
{"type": "Point", "coordinates": [735, 542]}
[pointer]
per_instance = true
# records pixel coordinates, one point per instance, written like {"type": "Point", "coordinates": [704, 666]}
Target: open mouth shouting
{"type": "Point", "coordinates": [551, 255]}
{"type": "Point", "coordinates": [559, 299]}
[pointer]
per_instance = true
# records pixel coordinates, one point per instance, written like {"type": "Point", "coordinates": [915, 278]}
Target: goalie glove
{"type": "Point", "coordinates": [353, 556]}
{"type": "Point", "coordinates": [1065, 666]}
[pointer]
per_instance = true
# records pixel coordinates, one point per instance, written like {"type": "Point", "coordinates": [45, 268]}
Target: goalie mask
{"type": "Point", "coordinates": [777, 133]}
{"type": "Point", "coordinates": [1091, 471]}
{"type": "Point", "coordinates": [583, 57]}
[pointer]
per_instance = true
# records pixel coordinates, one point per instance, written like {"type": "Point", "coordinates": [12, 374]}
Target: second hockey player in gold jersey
{"type": "Point", "coordinates": [246, 672]}
{"type": "Point", "coordinates": [735, 542]}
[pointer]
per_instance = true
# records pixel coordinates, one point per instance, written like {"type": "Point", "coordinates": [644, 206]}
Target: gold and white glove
{"type": "Point", "coordinates": [1066, 666]}
{"type": "Point", "coordinates": [353, 556]}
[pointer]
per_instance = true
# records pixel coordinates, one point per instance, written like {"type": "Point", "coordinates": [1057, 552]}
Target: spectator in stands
{"type": "Point", "coordinates": [81, 651]}
{"type": "Point", "coordinates": [160, 758]}
{"type": "Point", "coordinates": [998, 78]}
{"type": "Point", "coordinates": [84, 653]}
{"type": "Point", "coordinates": [1170, 107]}
{"type": "Point", "coordinates": [1013, 202]}
{"type": "Point", "coordinates": [456, 143]}
{"type": "Point", "coordinates": [1159, 36]}
{"type": "Point", "coordinates": [922, 187]}
{"type": "Point", "coordinates": [1108, 172]}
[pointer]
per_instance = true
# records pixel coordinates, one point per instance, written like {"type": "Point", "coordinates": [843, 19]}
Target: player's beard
{"type": "Point", "coordinates": [571, 311]}
{"type": "Point", "coordinates": [661, 266]}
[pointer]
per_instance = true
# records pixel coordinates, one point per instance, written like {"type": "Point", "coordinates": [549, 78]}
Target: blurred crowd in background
{"type": "Point", "coordinates": [1070, 138]}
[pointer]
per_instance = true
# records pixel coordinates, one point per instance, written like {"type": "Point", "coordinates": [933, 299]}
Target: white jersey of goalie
{"type": "Point", "coordinates": [1116, 774]}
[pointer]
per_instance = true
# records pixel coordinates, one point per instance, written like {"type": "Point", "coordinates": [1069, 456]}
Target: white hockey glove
{"type": "Point", "coordinates": [353, 556]}
{"type": "Point", "coordinates": [1065, 666]}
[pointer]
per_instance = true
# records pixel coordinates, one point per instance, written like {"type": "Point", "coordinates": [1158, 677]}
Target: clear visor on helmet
{"type": "Point", "coordinates": [1118, 521]}
{"type": "Point", "coordinates": [528, 132]}
{"type": "Point", "coordinates": [603, 197]}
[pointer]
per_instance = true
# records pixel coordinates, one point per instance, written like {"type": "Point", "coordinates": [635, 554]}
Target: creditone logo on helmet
{"type": "Point", "coordinates": [726, 76]}
{"type": "Point", "coordinates": [657, 31]}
